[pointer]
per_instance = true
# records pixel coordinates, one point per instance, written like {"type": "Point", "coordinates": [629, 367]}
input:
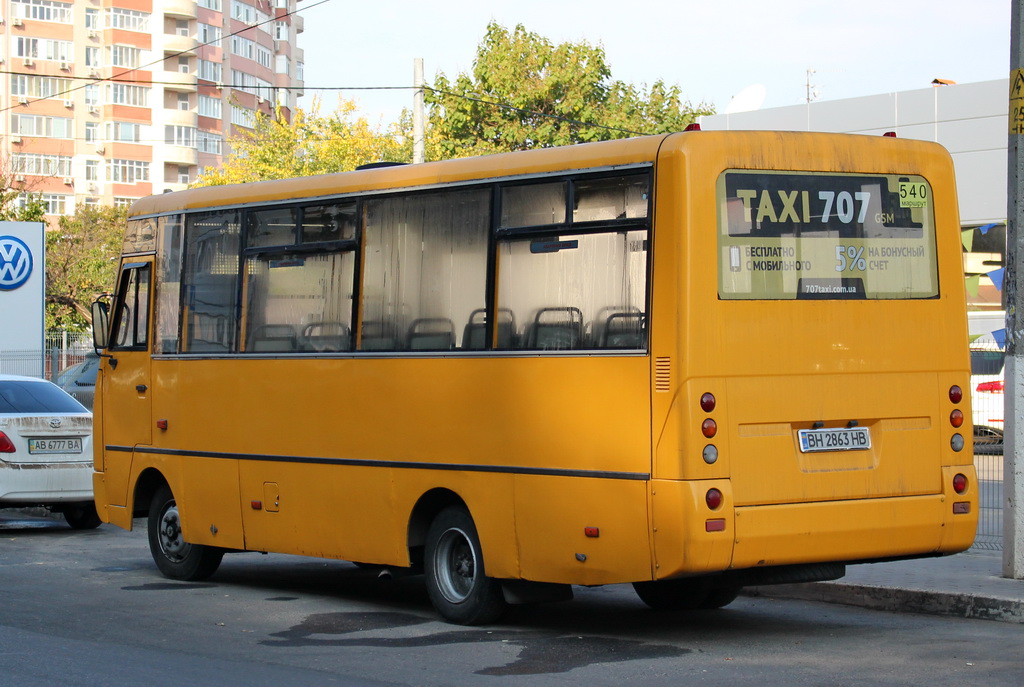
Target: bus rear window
{"type": "Point", "coordinates": [793, 235]}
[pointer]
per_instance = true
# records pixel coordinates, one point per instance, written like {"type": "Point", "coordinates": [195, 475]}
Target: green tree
{"type": "Point", "coordinates": [81, 263]}
{"type": "Point", "coordinates": [309, 144]}
{"type": "Point", "coordinates": [525, 92]}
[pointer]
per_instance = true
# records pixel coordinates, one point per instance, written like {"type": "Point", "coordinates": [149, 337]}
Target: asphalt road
{"type": "Point", "coordinates": [89, 608]}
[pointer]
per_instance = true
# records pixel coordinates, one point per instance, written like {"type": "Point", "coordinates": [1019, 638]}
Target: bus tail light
{"type": "Point", "coordinates": [960, 483]}
{"type": "Point", "coordinates": [889, 134]}
{"type": "Point", "coordinates": [994, 387]}
{"type": "Point", "coordinates": [956, 394]}
{"type": "Point", "coordinates": [713, 498]}
{"type": "Point", "coordinates": [692, 127]}
{"type": "Point", "coordinates": [709, 428]}
{"type": "Point", "coordinates": [6, 445]}
{"type": "Point", "coordinates": [956, 418]}
{"type": "Point", "coordinates": [707, 402]}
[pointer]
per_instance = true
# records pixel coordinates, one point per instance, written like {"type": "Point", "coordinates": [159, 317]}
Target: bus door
{"type": "Point", "coordinates": [126, 412]}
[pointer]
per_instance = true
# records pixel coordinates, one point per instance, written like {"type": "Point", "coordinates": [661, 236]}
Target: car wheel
{"type": "Point", "coordinates": [456, 581]}
{"type": "Point", "coordinates": [82, 516]}
{"type": "Point", "coordinates": [175, 557]}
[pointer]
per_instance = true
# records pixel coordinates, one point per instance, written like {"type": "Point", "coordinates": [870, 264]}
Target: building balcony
{"type": "Point", "coordinates": [180, 155]}
{"type": "Point", "coordinates": [185, 45]}
{"type": "Point", "coordinates": [176, 117]}
{"type": "Point", "coordinates": [178, 81]}
{"type": "Point", "coordinates": [180, 9]}
{"type": "Point", "coordinates": [300, 23]}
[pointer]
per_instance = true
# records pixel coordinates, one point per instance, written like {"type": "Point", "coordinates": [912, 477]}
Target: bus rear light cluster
{"type": "Point", "coordinates": [960, 486]}
{"type": "Point", "coordinates": [709, 428]}
{"type": "Point", "coordinates": [956, 418]}
{"type": "Point", "coordinates": [713, 498]}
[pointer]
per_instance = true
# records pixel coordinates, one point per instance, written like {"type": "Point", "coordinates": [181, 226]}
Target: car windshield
{"type": "Point", "coordinates": [989, 362]}
{"type": "Point", "coordinates": [36, 397]}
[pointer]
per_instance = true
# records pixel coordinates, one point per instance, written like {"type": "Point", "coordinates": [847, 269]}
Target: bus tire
{"type": "Point", "coordinates": [175, 557]}
{"type": "Point", "coordinates": [82, 516]}
{"type": "Point", "coordinates": [454, 566]}
{"type": "Point", "coordinates": [685, 594]}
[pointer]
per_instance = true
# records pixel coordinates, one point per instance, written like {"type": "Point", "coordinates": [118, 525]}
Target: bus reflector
{"type": "Point", "coordinates": [961, 507]}
{"type": "Point", "coordinates": [709, 428]}
{"type": "Point", "coordinates": [713, 498]}
{"type": "Point", "coordinates": [960, 483]}
{"type": "Point", "coordinates": [592, 532]}
{"type": "Point", "coordinates": [717, 525]}
{"type": "Point", "coordinates": [956, 394]}
{"type": "Point", "coordinates": [256, 505]}
{"type": "Point", "coordinates": [956, 418]}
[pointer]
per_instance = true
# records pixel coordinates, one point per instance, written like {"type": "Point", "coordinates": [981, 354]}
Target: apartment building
{"type": "Point", "coordinates": [106, 101]}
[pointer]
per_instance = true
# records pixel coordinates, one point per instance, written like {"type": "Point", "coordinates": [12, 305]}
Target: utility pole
{"type": "Point", "coordinates": [1013, 439]}
{"type": "Point", "coordinates": [417, 111]}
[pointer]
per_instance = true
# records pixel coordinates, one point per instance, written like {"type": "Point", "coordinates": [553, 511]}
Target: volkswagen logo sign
{"type": "Point", "coordinates": [15, 263]}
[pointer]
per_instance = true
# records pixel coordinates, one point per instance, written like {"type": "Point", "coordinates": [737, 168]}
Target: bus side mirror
{"type": "Point", "coordinates": [100, 324]}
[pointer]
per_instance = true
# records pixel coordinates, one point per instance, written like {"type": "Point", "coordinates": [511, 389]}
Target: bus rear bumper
{"type": "Point", "coordinates": [699, 541]}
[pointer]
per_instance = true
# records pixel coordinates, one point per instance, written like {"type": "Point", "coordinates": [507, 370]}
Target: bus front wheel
{"type": "Point", "coordinates": [454, 567]}
{"type": "Point", "coordinates": [174, 556]}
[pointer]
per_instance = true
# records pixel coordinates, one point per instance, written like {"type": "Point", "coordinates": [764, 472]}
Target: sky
{"type": "Point", "coordinates": [713, 50]}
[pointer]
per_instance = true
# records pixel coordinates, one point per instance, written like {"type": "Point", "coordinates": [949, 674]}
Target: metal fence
{"type": "Point", "coordinates": [62, 349]}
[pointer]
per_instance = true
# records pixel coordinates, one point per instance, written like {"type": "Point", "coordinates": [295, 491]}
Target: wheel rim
{"type": "Point", "coordinates": [455, 565]}
{"type": "Point", "coordinates": [173, 547]}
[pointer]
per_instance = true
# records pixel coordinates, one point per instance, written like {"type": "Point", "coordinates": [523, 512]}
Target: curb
{"type": "Point", "coordinates": [900, 600]}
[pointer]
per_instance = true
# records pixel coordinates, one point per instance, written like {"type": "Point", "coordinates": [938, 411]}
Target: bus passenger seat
{"type": "Point", "coordinates": [474, 335]}
{"type": "Point", "coordinates": [326, 336]}
{"type": "Point", "coordinates": [555, 329]}
{"type": "Point", "coordinates": [432, 334]}
{"type": "Point", "coordinates": [624, 330]}
{"type": "Point", "coordinates": [379, 335]}
{"type": "Point", "coordinates": [278, 338]}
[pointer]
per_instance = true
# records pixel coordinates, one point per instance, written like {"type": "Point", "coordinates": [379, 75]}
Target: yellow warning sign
{"type": "Point", "coordinates": [1017, 102]}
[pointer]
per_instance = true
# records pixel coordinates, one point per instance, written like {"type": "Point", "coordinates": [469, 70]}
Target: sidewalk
{"type": "Point", "coordinates": [966, 585]}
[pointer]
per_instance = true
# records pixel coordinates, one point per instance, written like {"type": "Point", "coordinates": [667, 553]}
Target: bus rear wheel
{"type": "Point", "coordinates": [175, 557]}
{"type": "Point", "coordinates": [687, 594]}
{"type": "Point", "coordinates": [454, 567]}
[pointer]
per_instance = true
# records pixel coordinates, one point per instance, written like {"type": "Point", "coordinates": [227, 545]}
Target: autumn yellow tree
{"type": "Point", "coordinates": [310, 144]}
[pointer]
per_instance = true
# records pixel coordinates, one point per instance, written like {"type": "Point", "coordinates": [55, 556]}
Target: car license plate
{"type": "Point", "coordinates": [44, 446]}
{"type": "Point", "coordinates": [837, 439]}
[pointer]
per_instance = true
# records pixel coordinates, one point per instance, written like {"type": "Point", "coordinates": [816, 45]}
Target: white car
{"type": "Point", "coordinates": [987, 396]}
{"type": "Point", "coordinates": [45, 450]}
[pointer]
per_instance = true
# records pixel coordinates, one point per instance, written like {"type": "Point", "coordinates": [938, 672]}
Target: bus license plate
{"type": "Point", "coordinates": [44, 446]}
{"type": "Point", "coordinates": [838, 439]}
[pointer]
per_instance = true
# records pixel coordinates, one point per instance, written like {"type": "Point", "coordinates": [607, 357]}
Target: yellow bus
{"type": "Point", "coordinates": [689, 362]}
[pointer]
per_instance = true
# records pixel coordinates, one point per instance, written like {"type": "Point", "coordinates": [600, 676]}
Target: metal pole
{"type": "Point", "coordinates": [1013, 439]}
{"type": "Point", "coordinates": [417, 111]}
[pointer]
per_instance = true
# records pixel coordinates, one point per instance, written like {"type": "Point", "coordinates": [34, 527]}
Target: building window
{"type": "Point", "coordinates": [300, 71]}
{"type": "Point", "coordinates": [92, 170]}
{"type": "Point", "coordinates": [125, 56]}
{"type": "Point", "coordinates": [42, 10]}
{"type": "Point", "coordinates": [92, 94]}
{"type": "Point", "coordinates": [123, 94]}
{"type": "Point", "coordinates": [209, 142]}
{"type": "Point", "coordinates": [92, 130]}
{"type": "Point", "coordinates": [26, 47]}
{"type": "Point", "coordinates": [123, 202]}
{"type": "Point", "coordinates": [243, 47]}
{"type": "Point", "coordinates": [210, 4]}
{"type": "Point", "coordinates": [264, 57]}
{"type": "Point", "coordinates": [210, 107]}
{"type": "Point", "coordinates": [180, 136]}
{"type": "Point", "coordinates": [243, 116]}
{"type": "Point", "coordinates": [211, 71]}
{"type": "Point", "coordinates": [41, 165]}
{"type": "Point", "coordinates": [92, 57]}
{"type": "Point", "coordinates": [128, 171]}
{"type": "Point", "coordinates": [210, 35]}
{"type": "Point", "coordinates": [124, 132]}
{"type": "Point", "coordinates": [130, 20]}
{"type": "Point", "coordinates": [39, 86]}
{"type": "Point", "coordinates": [55, 204]}
{"type": "Point", "coordinates": [280, 30]}
{"type": "Point", "coordinates": [92, 18]}
{"type": "Point", "coordinates": [37, 125]}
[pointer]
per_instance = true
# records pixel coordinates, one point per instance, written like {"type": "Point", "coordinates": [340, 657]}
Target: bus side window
{"type": "Point", "coordinates": [131, 321]}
